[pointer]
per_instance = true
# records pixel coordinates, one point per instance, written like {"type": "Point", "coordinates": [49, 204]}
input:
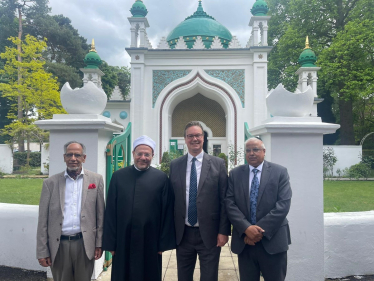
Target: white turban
{"type": "Point", "coordinates": [144, 140]}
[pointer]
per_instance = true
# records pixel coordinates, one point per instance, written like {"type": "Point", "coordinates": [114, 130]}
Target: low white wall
{"type": "Point", "coordinates": [347, 155]}
{"type": "Point", "coordinates": [349, 244]}
{"type": "Point", "coordinates": [18, 238]}
{"type": "Point", "coordinates": [6, 159]}
{"type": "Point", "coordinates": [44, 159]}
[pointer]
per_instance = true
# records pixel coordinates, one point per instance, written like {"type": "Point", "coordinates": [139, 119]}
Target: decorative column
{"type": "Point", "coordinates": [139, 24]}
{"type": "Point", "coordinates": [92, 72]}
{"type": "Point", "coordinates": [84, 124]}
{"type": "Point", "coordinates": [297, 143]}
{"type": "Point", "coordinates": [308, 74]}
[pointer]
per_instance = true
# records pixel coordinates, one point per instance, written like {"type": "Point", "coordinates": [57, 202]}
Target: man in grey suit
{"type": "Point", "coordinates": [257, 202]}
{"type": "Point", "coordinates": [199, 182]}
{"type": "Point", "coordinates": [71, 214]}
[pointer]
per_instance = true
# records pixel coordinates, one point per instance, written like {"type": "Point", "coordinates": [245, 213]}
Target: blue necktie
{"type": "Point", "coordinates": [254, 195]}
{"type": "Point", "coordinates": [192, 210]}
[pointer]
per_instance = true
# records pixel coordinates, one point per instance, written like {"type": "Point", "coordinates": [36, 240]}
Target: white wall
{"type": "Point", "coordinates": [349, 244]}
{"type": "Point", "coordinates": [6, 159]}
{"type": "Point", "coordinates": [347, 155]}
{"type": "Point", "coordinates": [18, 238]}
{"type": "Point", "coordinates": [44, 159]}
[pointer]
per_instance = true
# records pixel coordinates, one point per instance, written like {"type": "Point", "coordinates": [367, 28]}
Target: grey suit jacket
{"type": "Point", "coordinates": [273, 204]}
{"type": "Point", "coordinates": [51, 215]}
{"type": "Point", "coordinates": [211, 212]}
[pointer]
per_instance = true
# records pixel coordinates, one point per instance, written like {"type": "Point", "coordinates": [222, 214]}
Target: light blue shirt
{"type": "Point", "coordinates": [73, 204]}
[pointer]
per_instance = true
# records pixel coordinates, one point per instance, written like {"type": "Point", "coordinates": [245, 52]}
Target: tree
{"type": "Point", "coordinates": [321, 20]}
{"type": "Point", "coordinates": [37, 89]}
{"type": "Point", "coordinates": [115, 76]}
{"type": "Point", "coordinates": [348, 69]}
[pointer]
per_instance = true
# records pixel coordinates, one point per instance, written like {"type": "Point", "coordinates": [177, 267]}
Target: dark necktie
{"type": "Point", "coordinates": [192, 210]}
{"type": "Point", "coordinates": [254, 195]}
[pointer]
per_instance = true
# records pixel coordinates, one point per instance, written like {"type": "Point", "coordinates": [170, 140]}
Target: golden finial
{"type": "Point", "coordinates": [307, 43]}
{"type": "Point", "coordinates": [93, 46]}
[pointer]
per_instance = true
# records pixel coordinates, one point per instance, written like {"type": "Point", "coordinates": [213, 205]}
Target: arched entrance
{"type": "Point", "coordinates": [212, 95]}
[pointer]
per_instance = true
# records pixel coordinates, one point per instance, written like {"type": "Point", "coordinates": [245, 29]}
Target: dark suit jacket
{"type": "Point", "coordinates": [211, 212]}
{"type": "Point", "coordinates": [273, 204]}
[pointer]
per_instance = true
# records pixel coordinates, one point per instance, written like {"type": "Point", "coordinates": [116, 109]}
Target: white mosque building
{"type": "Point", "coordinates": [197, 72]}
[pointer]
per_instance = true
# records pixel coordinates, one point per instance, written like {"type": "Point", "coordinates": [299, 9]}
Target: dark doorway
{"type": "Point", "coordinates": [205, 145]}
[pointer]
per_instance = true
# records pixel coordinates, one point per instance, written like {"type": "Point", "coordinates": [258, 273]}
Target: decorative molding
{"type": "Point", "coordinates": [163, 44]}
{"type": "Point", "coordinates": [162, 78]}
{"type": "Point", "coordinates": [234, 44]}
{"type": "Point", "coordinates": [234, 77]}
{"type": "Point", "coordinates": [199, 44]}
{"type": "Point", "coordinates": [216, 43]}
{"type": "Point", "coordinates": [211, 84]}
{"type": "Point", "coordinates": [181, 44]}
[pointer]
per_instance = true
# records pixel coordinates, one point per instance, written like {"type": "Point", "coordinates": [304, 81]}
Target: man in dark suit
{"type": "Point", "coordinates": [199, 182]}
{"type": "Point", "coordinates": [257, 202]}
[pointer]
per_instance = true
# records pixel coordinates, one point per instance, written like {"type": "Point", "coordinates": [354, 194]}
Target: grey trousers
{"type": "Point", "coordinates": [71, 262]}
{"type": "Point", "coordinates": [187, 251]}
{"type": "Point", "coordinates": [255, 259]}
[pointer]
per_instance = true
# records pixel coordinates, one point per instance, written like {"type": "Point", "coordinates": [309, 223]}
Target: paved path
{"type": "Point", "coordinates": [228, 267]}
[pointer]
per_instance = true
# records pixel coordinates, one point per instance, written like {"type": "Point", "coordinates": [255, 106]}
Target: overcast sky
{"type": "Point", "coordinates": [106, 21]}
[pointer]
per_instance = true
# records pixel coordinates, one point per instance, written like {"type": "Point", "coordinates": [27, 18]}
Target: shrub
{"type": "Point", "coordinates": [360, 170]}
{"type": "Point", "coordinates": [329, 160]}
{"type": "Point", "coordinates": [166, 159]}
{"type": "Point", "coordinates": [224, 157]}
{"type": "Point", "coordinates": [21, 159]}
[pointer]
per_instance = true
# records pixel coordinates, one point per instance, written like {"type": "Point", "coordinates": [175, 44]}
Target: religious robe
{"type": "Point", "coordinates": [138, 223]}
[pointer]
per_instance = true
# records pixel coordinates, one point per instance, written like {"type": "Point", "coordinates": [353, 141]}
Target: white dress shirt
{"type": "Point", "coordinates": [251, 174]}
{"type": "Point", "coordinates": [198, 164]}
{"type": "Point", "coordinates": [73, 203]}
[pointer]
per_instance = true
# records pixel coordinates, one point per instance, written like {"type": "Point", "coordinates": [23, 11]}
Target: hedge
{"type": "Point", "coordinates": [20, 159]}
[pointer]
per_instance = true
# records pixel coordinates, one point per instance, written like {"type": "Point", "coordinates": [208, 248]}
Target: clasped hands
{"type": "Point", "coordinates": [253, 234]}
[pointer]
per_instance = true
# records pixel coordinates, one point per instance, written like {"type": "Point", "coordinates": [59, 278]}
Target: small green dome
{"type": "Point", "coordinates": [138, 9]}
{"type": "Point", "coordinates": [92, 59]}
{"type": "Point", "coordinates": [199, 24]}
{"type": "Point", "coordinates": [307, 58]}
{"type": "Point", "coordinates": [260, 8]}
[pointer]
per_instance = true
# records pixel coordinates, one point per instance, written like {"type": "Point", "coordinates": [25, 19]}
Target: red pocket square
{"type": "Point", "coordinates": [91, 186]}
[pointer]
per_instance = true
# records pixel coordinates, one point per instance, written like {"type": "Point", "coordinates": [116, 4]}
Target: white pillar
{"type": "Point", "coordinates": [255, 33]}
{"type": "Point", "coordinates": [297, 144]}
{"type": "Point", "coordinates": [134, 37]}
{"type": "Point", "coordinates": [264, 38]}
{"type": "Point", "coordinates": [142, 37]}
{"type": "Point", "coordinates": [260, 87]}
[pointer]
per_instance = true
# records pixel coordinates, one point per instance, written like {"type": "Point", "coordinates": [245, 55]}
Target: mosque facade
{"type": "Point", "coordinates": [199, 71]}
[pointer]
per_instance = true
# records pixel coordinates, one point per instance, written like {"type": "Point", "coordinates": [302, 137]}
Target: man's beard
{"type": "Point", "coordinates": [74, 169]}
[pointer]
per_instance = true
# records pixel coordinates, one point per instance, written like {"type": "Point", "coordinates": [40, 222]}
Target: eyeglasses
{"type": "Point", "coordinates": [255, 150]}
{"type": "Point", "coordinates": [76, 155]}
{"type": "Point", "coordinates": [140, 154]}
{"type": "Point", "coordinates": [198, 136]}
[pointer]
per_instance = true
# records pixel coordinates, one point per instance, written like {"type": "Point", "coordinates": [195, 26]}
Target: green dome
{"type": "Point", "coordinates": [138, 9]}
{"type": "Point", "coordinates": [260, 8]}
{"type": "Point", "coordinates": [307, 58]}
{"type": "Point", "coordinates": [199, 24]}
{"type": "Point", "coordinates": [92, 59]}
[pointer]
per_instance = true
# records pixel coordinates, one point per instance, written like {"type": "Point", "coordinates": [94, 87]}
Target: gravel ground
{"type": "Point", "coordinates": [18, 274]}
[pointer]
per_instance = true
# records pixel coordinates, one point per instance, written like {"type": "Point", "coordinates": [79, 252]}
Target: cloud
{"type": "Point", "coordinates": [107, 22]}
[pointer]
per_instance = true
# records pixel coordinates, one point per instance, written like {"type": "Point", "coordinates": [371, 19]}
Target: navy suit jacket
{"type": "Point", "coordinates": [211, 212]}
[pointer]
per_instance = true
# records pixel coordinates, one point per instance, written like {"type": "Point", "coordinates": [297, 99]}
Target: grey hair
{"type": "Point", "coordinates": [70, 142]}
{"type": "Point", "coordinates": [254, 138]}
{"type": "Point", "coordinates": [191, 124]}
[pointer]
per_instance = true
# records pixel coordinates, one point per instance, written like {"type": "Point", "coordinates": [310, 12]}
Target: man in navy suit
{"type": "Point", "coordinates": [257, 202]}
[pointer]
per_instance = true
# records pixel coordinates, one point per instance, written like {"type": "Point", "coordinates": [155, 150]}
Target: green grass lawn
{"type": "Point", "coordinates": [340, 196]}
{"type": "Point", "coordinates": [20, 191]}
{"type": "Point", "coordinates": [348, 196]}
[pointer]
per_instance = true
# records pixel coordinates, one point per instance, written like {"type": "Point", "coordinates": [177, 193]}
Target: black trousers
{"type": "Point", "coordinates": [187, 251]}
{"type": "Point", "coordinates": [255, 259]}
